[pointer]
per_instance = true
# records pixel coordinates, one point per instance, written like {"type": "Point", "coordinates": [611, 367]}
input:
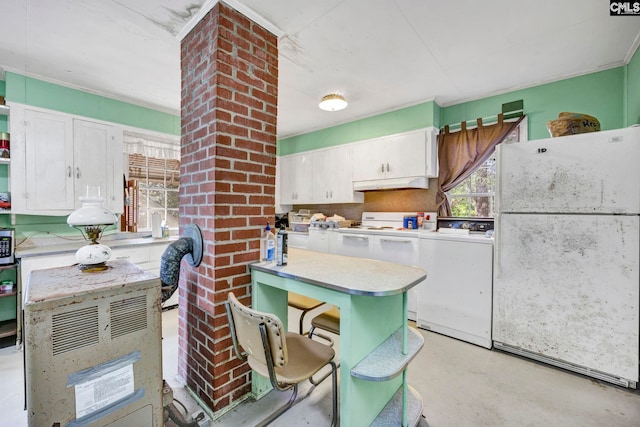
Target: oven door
{"type": "Point", "coordinates": [358, 245]}
{"type": "Point", "coordinates": [401, 250]}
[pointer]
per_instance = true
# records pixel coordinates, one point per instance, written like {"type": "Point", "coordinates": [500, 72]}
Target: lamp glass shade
{"type": "Point", "coordinates": [91, 213]}
{"type": "Point", "coordinates": [333, 102]}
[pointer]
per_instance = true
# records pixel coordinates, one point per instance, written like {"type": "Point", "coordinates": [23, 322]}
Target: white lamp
{"type": "Point", "coordinates": [333, 102]}
{"type": "Point", "coordinates": [91, 219]}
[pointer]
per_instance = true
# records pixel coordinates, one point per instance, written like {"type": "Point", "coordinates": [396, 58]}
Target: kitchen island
{"type": "Point", "coordinates": [376, 344]}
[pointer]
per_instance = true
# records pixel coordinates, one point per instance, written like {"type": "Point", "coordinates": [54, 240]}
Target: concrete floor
{"type": "Point", "coordinates": [461, 385]}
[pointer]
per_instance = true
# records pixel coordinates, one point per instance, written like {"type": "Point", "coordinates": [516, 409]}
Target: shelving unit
{"type": "Point", "coordinates": [10, 310]}
{"type": "Point", "coordinates": [4, 111]}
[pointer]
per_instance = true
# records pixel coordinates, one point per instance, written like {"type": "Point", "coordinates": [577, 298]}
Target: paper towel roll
{"type": "Point", "coordinates": [156, 229]}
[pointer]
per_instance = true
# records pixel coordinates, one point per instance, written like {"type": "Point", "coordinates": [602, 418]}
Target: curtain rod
{"type": "Point", "coordinates": [485, 120]}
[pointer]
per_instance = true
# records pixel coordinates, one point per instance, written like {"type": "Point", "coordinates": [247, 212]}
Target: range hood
{"type": "Point", "coordinates": [392, 183]}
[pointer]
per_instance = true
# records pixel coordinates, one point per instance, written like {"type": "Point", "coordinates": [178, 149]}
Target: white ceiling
{"type": "Point", "coordinates": [380, 54]}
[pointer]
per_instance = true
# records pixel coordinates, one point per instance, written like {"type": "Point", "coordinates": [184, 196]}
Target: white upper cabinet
{"type": "Point", "coordinates": [296, 172]}
{"type": "Point", "coordinates": [385, 162]}
{"type": "Point", "coordinates": [335, 174]}
{"type": "Point", "coordinates": [48, 173]}
{"type": "Point", "coordinates": [332, 179]}
{"type": "Point", "coordinates": [59, 156]}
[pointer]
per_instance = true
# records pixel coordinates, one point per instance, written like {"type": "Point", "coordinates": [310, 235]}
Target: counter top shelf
{"type": "Point", "coordinates": [391, 414]}
{"type": "Point", "coordinates": [8, 328]}
{"type": "Point", "coordinates": [387, 361]}
{"type": "Point", "coordinates": [8, 294]}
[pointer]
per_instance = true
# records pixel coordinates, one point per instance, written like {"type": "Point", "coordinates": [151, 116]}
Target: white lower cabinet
{"type": "Point", "coordinates": [298, 240]}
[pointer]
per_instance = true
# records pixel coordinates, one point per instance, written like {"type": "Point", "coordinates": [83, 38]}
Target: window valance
{"type": "Point", "coordinates": [152, 145]}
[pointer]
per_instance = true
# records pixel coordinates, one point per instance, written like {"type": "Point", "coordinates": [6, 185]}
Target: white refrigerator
{"type": "Point", "coordinates": [566, 262]}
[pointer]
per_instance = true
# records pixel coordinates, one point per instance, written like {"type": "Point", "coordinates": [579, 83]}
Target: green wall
{"type": "Point", "coordinates": [632, 100]}
{"type": "Point", "coordinates": [597, 94]}
{"type": "Point", "coordinates": [612, 96]}
{"type": "Point", "coordinates": [38, 93]}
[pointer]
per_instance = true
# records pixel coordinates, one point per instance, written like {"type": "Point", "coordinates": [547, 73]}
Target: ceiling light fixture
{"type": "Point", "coordinates": [333, 102]}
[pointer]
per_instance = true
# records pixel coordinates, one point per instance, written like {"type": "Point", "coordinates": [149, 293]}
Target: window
{"type": "Point", "coordinates": [474, 197]}
{"type": "Point", "coordinates": [154, 162]}
{"type": "Point", "coordinates": [158, 182]}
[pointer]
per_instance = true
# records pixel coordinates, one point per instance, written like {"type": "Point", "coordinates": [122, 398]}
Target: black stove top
{"type": "Point", "coordinates": [473, 224]}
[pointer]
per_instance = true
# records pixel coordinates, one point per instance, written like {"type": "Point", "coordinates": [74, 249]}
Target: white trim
{"type": "Point", "coordinates": [632, 50]}
{"type": "Point", "coordinates": [235, 4]}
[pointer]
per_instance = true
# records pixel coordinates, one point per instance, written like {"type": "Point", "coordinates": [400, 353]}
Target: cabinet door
{"type": "Point", "coordinates": [332, 178]}
{"type": "Point", "coordinates": [295, 183]}
{"type": "Point", "coordinates": [94, 160]}
{"type": "Point", "coordinates": [369, 160]}
{"type": "Point", "coordinates": [406, 155]}
{"type": "Point", "coordinates": [49, 162]}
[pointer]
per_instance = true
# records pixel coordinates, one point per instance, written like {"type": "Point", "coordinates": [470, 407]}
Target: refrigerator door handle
{"type": "Point", "coordinates": [497, 244]}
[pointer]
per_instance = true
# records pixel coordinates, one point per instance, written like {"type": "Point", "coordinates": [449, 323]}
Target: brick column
{"type": "Point", "coordinates": [227, 187]}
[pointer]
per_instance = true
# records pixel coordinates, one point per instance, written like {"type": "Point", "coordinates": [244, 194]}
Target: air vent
{"type": "Point", "coordinates": [128, 316]}
{"type": "Point", "coordinates": [74, 330]}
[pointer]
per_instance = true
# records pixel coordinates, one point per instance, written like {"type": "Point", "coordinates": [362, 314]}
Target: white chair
{"type": "Point", "coordinates": [286, 358]}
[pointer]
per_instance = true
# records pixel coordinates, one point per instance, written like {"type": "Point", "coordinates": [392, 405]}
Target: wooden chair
{"type": "Point", "coordinates": [286, 358]}
{"type": "Point", "coordinates": [304, 304]}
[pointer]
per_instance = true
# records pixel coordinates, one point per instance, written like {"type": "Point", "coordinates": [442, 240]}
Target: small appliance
{"type": "Point", "coordinates": [7, 246]}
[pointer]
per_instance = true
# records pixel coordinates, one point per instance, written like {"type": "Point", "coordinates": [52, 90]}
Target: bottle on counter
{"type": "Point", "coordinates": [267, 245]}
{"type": "Point", "coordinates": [282, 248]}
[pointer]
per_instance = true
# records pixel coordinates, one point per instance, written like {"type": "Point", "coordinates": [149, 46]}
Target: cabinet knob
{"type": "Point", "coordinates": [382, 168]}
{"type": "Point", "coordinates": [68, 171]}
{"type": "Point", "coordinates": [78, 173]}
{"type": "Point", "coordinates": [387, 167]}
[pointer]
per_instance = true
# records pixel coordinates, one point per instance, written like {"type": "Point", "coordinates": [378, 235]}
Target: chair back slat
{"type": "Point", "coordinates": [247, 324]}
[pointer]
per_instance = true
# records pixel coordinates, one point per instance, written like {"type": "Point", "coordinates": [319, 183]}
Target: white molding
{"type": "Point", "coordinates": [235, 4]}
{"type": "Point", "coordinates": [632, 50]}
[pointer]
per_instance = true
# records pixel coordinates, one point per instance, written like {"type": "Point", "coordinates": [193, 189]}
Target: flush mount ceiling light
{"type": "Point", "coordinates": [333, 102]}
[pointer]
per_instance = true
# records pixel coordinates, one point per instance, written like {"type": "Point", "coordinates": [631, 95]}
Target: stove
{"type": "Point", "coordinates": [392, 223]}
{"type": "Point", "coordinates": [473, 224]}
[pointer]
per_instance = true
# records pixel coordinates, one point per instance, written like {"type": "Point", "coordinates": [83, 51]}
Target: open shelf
{"type": "Point", "coordinates": [8, 294]}
{"type": "Point", "coordinates": [387, 361]}
{"type": "Point", "coordinates": [8, 328]}
{"type": "Point", "coordinates": [391, 414]}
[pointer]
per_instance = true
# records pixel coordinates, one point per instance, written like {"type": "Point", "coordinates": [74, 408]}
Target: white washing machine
{"type": "Point", "coordinates": [456, 298]}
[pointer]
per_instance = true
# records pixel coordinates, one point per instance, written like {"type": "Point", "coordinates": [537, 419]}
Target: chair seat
{"type": "Point", "coordinates": [328, 320]}
{"type": "Point", "coordinates": [306, 357]}
{"type": "Point", "coordinates": [301, 302]}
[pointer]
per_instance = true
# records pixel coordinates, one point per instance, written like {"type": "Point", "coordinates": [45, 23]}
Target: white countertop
{"type": "Point", "coordinates": [356, 276]}
{"type": "Point", "coordinates": [56, 246]}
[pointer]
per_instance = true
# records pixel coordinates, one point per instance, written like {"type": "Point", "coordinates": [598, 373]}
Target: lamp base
{"type": "Point", "coordinates": [92, 258]}
{"type": "Point", "coordinates": [93, 268]}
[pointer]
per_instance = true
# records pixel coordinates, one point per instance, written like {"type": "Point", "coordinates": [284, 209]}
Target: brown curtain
{"type": "Point", "coordinates": [460, 153]}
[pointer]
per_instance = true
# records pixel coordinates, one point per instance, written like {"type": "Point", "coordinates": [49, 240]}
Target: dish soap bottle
{"type": "Point", "coordinates": [267, 245]}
